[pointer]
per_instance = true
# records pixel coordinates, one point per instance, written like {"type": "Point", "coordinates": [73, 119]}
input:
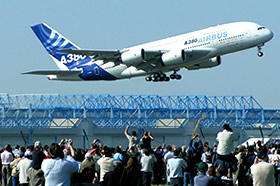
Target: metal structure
{"type": "Point", "coordinates": [142, 111]}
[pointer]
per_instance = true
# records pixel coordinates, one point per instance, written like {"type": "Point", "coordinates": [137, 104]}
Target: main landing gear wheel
{"type": "Point", "coordinates": [175, 76]}
{"type": "Point", "coordinates": [260, 54]}
{"type": "Point", "coordinates": [160, 77]}
{"type": "Point", "coordinates": [157, 77]}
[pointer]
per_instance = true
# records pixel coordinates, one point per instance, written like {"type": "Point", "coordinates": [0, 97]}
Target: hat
{"type": "Point", "coordinates": [17, 155]}
{"type": "Point", "coordinates": [37, 144]}
{"type": "Point", "coordinates": [28, 153]}
{"type": "Point", "coordinates": [202, 167]}
{"type": "Point", "coordinates": [89, 155]}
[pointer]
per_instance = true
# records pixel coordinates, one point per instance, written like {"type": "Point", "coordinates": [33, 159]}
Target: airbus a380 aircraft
{"type": "Point", "coordinates": [195, 50]}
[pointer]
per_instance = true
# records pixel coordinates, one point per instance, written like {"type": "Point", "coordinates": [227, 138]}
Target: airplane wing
{"type": "Point", "coordinates": [54, 72]}
{"type": "Point", "coordinates": [106, 55]}
{"type": "Point", "coordinates": [151, 56]}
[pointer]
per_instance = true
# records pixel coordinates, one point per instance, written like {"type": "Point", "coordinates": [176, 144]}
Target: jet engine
{"type": "Point", "coordinates": [133, 57]}
{"type": "Point", "coordinates": [213, 62]}
{"type": "Point", "coordinates": [173, 57]}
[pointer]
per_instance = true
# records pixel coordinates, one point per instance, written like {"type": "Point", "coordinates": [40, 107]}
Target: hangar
{"type": "Point", "coordinates": [48, 118]}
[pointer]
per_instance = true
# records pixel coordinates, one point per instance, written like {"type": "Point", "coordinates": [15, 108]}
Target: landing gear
{"type": "Point", "coordinates": [260, 53]}
{"type": "Point", "coordinates": [175, 76]}
{"type": "Point", "coordinates": [160, 77]}
{"type": "Point", "coordinates": [157, 77]}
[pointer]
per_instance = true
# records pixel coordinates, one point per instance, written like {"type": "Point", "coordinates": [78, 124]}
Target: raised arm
{"type": "Point", "coordinates": [126, 130]}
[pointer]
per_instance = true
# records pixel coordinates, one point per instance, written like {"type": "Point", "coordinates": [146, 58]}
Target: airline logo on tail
{"type": "Point", "coordinates": [54, 41]}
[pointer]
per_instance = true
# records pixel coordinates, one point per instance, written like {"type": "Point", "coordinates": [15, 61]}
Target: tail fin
{"type": "Point", "coordinates": [53, 41]}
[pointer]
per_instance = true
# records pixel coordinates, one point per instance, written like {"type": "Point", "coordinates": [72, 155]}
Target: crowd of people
{"type": "Point", "coordinates": [140, 164]}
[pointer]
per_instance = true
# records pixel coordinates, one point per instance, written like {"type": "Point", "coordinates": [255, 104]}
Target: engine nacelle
{"type": "Point", "coordinates": [213, 62]}
{"type": "Point", "coordinates": [173, 57]}
{"type": "Point", "coordinates": [133, 57]}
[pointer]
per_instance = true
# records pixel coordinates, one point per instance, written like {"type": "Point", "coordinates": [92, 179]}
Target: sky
{"type": "Point", "coordinates": [93, 24]}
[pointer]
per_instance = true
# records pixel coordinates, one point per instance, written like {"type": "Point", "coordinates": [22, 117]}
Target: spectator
{"type": "Point", "coordinates": [175, 167]}
{"type": "Point", "coordinates": [15, 172]}
{"type": "Point", "coordinates": [112, 178]}
{"type": "Point", "coordinates": [87, 169]}
{"type": "Point", "coordinates": [16, 150]}
{"type": "Point", "coordinates": [118, 155]}
{"type": "Point", "coordinates": [202, 179]}
{"type": "Point", "coordinates": [6, 159]}
{"type": "Point", "coordinates": [132, 138]}
{"type": "Point", "coordinates": [262, 172]}
{"type": "Point", "coordinates": [23, 167]}
{"type": "Point", "coordinates": [146, 140]}
{"type": "Point", "coordinates": [225, 147]}
{"type": "Point", "coordinates": [147, 163]}
{"type": "Point", "coordinates": [58, 171]}
{"type": "Point", "coordinates": [105, 163]}
{"type": "Point", "coordinates": [131, 174]}
{"type": "Point", "coordinates": [36, 175]}
{"type": "Point", "coordinates": [158, 166]}
{"type": "Point", "coordinates": [196, 149]}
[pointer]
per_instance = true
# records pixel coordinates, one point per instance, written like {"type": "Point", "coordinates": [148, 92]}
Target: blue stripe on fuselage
{"type": "Point", "coordinates": [95, 72]}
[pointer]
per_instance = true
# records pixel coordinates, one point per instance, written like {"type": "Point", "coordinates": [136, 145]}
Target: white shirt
{"type": "Point", "coordinates": [23, 166]}
{"type": "Point", "coordinates": [168, 155]}
{"type": "Point", "coordinates": [146, 163]}
{"type": "Point", "coordinates": [106, 165]}
{"type": "Point", "coordinates": [6, 157]}
{"type": "Point", "coordinates": [263, 174]}
{"type": "Point", "coordinates": [58, 171]}
{"type": "Point", "coordinates": [226, 139]}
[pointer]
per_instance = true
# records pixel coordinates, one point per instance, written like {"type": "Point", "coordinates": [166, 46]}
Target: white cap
{"type": "Point", "coordinates": [37, 143]}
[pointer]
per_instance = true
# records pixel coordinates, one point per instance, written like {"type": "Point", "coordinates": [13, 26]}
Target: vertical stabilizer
{"type": "Point", "coordinates": [54, 41]}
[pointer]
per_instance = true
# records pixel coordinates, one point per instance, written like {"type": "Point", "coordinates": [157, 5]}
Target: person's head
{"type": "Point", "coordinates": [8, 148]}
{"type": "Point", "coordinates": [146, 133]}
{"type": "Point", "coordinates": [55, 151]}
{"type": "Point", "coordinates": [88, 156]}
{"type": "Point", "coordinates": [251, 149]}
{"type": "Point", "coordinates": [37, 144]}
{"type": "Point", "coordinates": [17, 155]}
{"type": "Point", "coordinates": [147, 152]}
{"type": "Point", "coordinates": [168, 148]}
{"type": "Point", "coordinates": [118, 149]}
{"type": "Point", "coordinates": [107, 151]}
{"type": "Point", "coordinates": [177, 152]}
{"type": "Point", "coordinates": [202, 167]}
{"type": "Point", "coordinates": [241, 148]}
{"type": "Point", "coordinates": [16, 147]}
{"type": "Point", "coordinates": [262, 153]}
{"type": "Point", "coordinates": [117, 166]}
{"type": "Point", "coordinates": [226, 127]}
{"type": "Point", "coordinates": [28, 154]}
{"type": "Point", "coordinates": [133, 133]}
{"type": "Point", "coordinates": [132, 164]}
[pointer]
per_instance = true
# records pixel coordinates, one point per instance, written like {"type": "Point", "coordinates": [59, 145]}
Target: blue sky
{"type": "Point", "coordinates": [93, 24]}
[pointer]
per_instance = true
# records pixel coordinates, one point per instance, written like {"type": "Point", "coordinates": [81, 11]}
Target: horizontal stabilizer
{"type": "Point", "coordinates": [54, 72]}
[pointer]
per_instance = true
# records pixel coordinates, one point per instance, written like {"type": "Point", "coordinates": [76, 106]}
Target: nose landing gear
{"type": "Point", "coordinates": [260, 53]}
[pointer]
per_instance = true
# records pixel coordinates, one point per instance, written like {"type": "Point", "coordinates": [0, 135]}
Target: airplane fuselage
{"type": "Point", "coordinates": [194, 50]}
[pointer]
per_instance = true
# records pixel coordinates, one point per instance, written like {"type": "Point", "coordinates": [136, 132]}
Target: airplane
{"type": "Point", "coordinates": [195, 50]}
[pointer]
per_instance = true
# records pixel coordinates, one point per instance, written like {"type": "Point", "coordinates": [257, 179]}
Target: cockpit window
{"type": "Point", "coordinates": [260, 28]}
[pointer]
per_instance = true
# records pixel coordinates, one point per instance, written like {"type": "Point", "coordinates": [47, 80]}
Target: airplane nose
{"type": "Point", "coordinates": [269, 34]}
